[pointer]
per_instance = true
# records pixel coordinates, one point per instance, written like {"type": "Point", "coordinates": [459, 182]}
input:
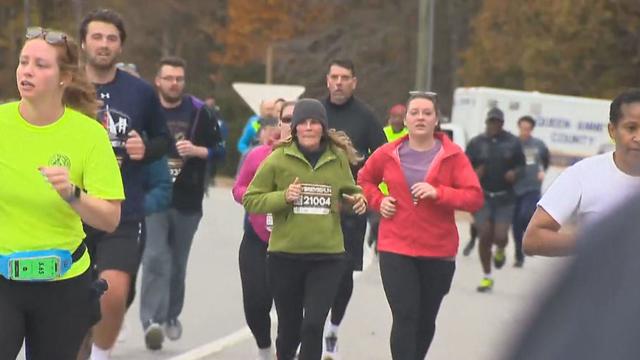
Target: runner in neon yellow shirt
{"type": "Point", "coordinates": [57, 169]}
{"type": "Point", "coordinates": [33, 216]}
{"type": "Point", "coordinates": [394, 130]}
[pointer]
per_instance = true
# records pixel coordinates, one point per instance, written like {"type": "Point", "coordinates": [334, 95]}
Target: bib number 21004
{"type": "Point", "coordinates": [314, 200]}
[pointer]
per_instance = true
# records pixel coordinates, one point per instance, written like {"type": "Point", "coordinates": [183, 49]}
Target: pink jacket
{"type": "Point", "coordinates": [249, 167]}
{"type": "Point", "coordinates": [427, 228]}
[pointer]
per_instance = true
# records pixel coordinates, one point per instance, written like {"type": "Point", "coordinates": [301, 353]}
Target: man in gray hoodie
{"type": "Point", "coordinates": [527, 187]}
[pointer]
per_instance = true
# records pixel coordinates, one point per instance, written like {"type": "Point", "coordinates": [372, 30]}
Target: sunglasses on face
{"type": "Point", "coordinates": [286, 119]}
{"type": "Point", "coordinates": [51, 37]}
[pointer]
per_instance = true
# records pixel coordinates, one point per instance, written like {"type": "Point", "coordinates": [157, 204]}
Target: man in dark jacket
{"type": "Point", "coordinates": [196, 142]}
{"type": "Point", "coordinates": [355, 118]}
{"type": "Point", "coordinates": [496, 155]}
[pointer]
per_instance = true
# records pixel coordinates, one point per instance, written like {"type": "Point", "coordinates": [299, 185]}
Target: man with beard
{"type": "Point", "coordinates": [355, 118]}
{"type": "Point", "coordinates": [170, 234]}
{"type": "Point", "coordinates": [132, 116]}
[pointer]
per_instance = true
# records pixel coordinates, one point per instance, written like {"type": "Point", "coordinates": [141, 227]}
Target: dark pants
{"type": "Point", "coordinates": [415, 288]}
{"type": "Point", "coordinates": [52, 317]}
{"type": "Point", "coordinates": [303, 291]}
{"type": "Point", "coordinates": [525, 207]}
{"type": "Point", "coordinates": [354, 228]}
{"type": "Point", "coordinates": [256, 295]}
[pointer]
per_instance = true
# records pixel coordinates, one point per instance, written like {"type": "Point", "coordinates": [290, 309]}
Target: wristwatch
{"type": "Point", "coordinates": [75, 194]}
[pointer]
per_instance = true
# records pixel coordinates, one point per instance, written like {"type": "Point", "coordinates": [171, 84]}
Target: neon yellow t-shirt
{"type": "Point", "coordinates": [33, 216]}
{"type": "Point", "coordinates": [391, 136]}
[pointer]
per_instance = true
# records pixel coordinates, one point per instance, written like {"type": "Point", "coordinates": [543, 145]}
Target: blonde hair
{"type": "Point", "coordinates": [79, 94]}
{"type": "Point", "coordinates": [337, 138]}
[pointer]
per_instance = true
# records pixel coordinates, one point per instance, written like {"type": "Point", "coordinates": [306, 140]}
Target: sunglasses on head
{"type": "Point", "coordinates": [429, 94]}
{"type": "Point", "coordinates": [51, 37]}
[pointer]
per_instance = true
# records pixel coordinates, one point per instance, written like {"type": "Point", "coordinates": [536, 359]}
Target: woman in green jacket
{"type": "Point", "coordinates": [302, 183]}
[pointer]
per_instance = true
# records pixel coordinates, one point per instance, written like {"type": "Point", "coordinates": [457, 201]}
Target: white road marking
{"type": "Point", "coordinates": [243, 334]}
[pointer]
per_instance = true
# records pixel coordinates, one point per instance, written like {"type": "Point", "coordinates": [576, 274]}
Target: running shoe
{"type": "Point", "coordinates": [153, 336]}
{"type": "Point", "coordinates": [469, 247]}
{"type": "Point", "coordinates": [485, 285]}
{"type": "Point", "coordinates": [173, 329]}
{"type": "Point", "coordinates": [518, 263]}
{"type": "Point", "coordinates": [266, 354]}
{"type": "Point", "coordinates": [499, 258]}
{"type": "Point", "coordinates": [330, 347]}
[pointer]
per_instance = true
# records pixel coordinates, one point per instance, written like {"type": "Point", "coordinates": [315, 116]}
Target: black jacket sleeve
{"type": "Point", "coordinates": [472, 153]}
{"type": "Point", "coordinates": [377, 137]}
{"type": "Point", "coordinates": [207, 132]}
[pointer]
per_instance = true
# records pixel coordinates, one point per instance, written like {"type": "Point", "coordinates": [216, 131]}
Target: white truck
{"type": "Point", "coordinates": [572, 127]}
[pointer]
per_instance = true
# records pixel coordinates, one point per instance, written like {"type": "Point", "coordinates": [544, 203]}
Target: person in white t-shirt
{"type": "Point", "coordinates": [591, 188]}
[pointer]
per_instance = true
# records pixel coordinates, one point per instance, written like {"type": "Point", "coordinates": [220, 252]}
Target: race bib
{"type": "Point", "coordinates": [531, 156]}
{"type": "Point", "coordinates": [314, 200]}
{"type": "Point", "coordinates": [175, 167]}
{"type": "Point", "coordinates": [269, 225]}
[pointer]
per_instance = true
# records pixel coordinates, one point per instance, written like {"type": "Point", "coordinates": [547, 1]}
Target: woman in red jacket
{"type": "Point", "coordinates": [429, 177]}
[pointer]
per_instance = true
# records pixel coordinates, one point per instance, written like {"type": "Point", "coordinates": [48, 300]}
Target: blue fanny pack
{"type": "Point", "coordinates": [41, 265]}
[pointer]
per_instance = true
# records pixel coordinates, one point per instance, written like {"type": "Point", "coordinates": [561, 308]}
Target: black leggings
{"type": "Point", "coordinates": [256, 295]}
{"type": "Point", "coordinates": [414, 288]}
{"type": "Point", "coordinates": [354, 228]}
{"type": "Point", "coordinates": [52, 317]}
{"type": "Point", "coordinates": [303, 291]}
{"type": "Point", "coordinates": [343, 296]}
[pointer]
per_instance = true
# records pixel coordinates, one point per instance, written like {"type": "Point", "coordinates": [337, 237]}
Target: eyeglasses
{"type": "Point", "coordinates": [51, 37]}
{"type": "Point", "coordinates": [178, 79]}
{"type": "Point", "coordinates": [286, 119]}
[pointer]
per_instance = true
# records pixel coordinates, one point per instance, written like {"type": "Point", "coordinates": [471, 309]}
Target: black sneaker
{"type": "Point", "coordinates": [469, 247]}
{"type": "Point", "coordinates": [518, 263]}
{"type": "Point", "coordinates": [499, 258]}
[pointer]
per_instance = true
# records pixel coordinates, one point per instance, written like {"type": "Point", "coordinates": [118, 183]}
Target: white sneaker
{"type": "Point", "coordinates": [173, 329]}
{"type": "Point", "coordinates": [330, 347]}
{"type": "Point", "coordinates": [266, 354]}
{"type": "Point", "coordinates": [153, 336]}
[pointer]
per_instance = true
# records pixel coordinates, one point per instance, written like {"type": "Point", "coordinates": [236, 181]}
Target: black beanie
{"type": "Point", "coordinates": [309, 109]}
